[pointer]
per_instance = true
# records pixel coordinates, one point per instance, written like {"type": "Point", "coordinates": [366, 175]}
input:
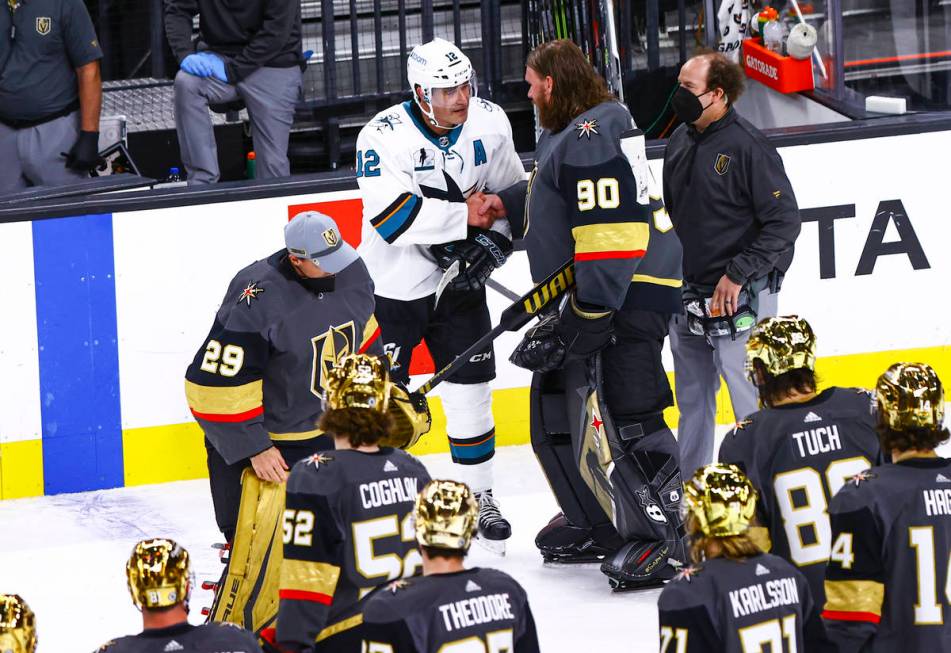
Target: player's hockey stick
{"type": "Point", "coordinates": [520, 313]}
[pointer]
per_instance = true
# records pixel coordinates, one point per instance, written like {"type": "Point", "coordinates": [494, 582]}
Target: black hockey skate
{"type": "Point", "coordinates": [640, 565]}
{"type": "Point", "coordinates": [494, 529]}
{"type": "Point", "coordinates": [561, 542]}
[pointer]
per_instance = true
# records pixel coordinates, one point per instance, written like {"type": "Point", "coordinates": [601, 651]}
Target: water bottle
{"type": "Point", "coordinates": [773, 36]}
{"type": "Point", "coordinates": [174, 175]}
{"type": "Point", "coordinates": [249, 166]}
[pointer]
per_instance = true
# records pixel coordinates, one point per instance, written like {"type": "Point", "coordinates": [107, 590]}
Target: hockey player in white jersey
{"type": "Point", "coordinates": [417, 165]}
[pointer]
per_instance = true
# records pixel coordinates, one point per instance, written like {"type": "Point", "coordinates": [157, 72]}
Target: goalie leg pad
{"type": "Point", "coordinates": [248, 594]}
{"type": "Point", "coordinates": [582, 517]}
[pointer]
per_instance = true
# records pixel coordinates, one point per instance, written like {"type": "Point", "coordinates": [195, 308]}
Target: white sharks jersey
{"type": "Point", "coordinates": [414, 186]}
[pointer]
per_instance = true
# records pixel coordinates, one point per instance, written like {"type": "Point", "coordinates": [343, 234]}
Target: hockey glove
{"type": "Point", "coordinates": [541, 350]}
{"type": "Point", "coordinates": [585, 330]}
{"type": "Point", "coordinates": [84, 154]}
{"type": "Point", "coordinates": [479, 254]}
{"type": "Point", "coordinates": [573, 334]}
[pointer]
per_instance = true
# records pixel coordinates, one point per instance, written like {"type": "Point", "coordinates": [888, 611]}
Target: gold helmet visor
{"type": "Point", "coordinates": [721, 499]}
{"type": "Point", "coordinates": [17, 625]}
{"type": "Point", "coordinates": [158, 574]}
{"type": "Point", "coordinates": [909, 396]}
{"type": "Point", "coordinates": [781, 344]}
{"type": "Point", "coordinates": [446, 515]}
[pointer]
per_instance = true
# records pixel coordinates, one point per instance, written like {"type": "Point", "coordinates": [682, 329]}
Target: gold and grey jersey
{"type": "Point", "coordinates": [798, 456]}
{"type": "Point", "coordinates": [758, 603]}
{"type": "Point", "coordinates": [581, 204]}
{"type": "Point", "coordinates": [475, 609]}
{"type": "Point", "coordinates": [887, 582]}
{"type": "Point", "coordinates": [347, 529]}
{"type": "Point", "coordinates": [257, 376]}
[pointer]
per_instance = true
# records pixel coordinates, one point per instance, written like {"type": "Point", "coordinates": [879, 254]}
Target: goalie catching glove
{"type": "Point", "coordinates": [573, 334]}
{"type": "Point", "coordinates": [478, 255]}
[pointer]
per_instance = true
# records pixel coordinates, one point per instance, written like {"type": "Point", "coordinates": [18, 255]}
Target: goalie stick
{"type": "Point", "coordinates": [520, 313]}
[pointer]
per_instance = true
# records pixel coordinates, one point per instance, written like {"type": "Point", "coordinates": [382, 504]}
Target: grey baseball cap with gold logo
{"type": "Point", "coordinates": [315, 236]}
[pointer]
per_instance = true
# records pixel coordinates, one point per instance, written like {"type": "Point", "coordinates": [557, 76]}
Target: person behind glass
{"type": "Point", "coordinates": [249, 51]}
{"type": "Point", "coordinates": [735, 213]}
{"type": "Point", "coordinates": [50, 94]}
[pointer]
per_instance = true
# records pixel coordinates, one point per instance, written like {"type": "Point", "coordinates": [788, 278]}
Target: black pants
{"type": "Point", "coordinates": [451, 327]}
{"type": "Point", "coordinates": [635, 383]}
{"type": "Point", "coordinates": [225, 479]}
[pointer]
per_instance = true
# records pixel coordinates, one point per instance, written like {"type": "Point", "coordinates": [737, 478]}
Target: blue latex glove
{"type": "Point", "coordinates": [308, 54]}
{"type": "Point", "coordinates": [197, 65]}
{"type": "Point", "coordinates": [216, 66]}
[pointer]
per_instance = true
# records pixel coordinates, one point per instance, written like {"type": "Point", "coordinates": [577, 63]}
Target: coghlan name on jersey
{"type": "Point", "coordinates": [388, 492]}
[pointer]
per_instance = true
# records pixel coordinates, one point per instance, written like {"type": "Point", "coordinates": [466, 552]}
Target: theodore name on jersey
{"type": "Point", "coordinates": [476, 611]}
{"type": "Point", "coordinates": [764, 596]}
{"type": "Point", "coordinates": [389, 491]}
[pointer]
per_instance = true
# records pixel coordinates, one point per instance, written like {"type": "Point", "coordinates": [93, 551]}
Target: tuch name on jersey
{"type": "Point", "coordinates": [937, 502]}
{"type": "Point", "coordinates": [477, 610]}
{"type": "Point", "coordinates": [388, 491]}
{"type": "Point", "coordinates": [819, 440]}
{"type": "Point", "coordinates": [754, 598]}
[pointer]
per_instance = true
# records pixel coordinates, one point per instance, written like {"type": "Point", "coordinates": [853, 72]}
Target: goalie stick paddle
{"type": "Point", "coordinates": [520, 313]}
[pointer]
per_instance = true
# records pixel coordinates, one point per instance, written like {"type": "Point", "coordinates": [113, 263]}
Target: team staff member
{"type": "Point", "coordinates": [247, 50]}
{"type": "Point", "coordinates": [254, 385]}
{"type": "Point", "coordinates": [585, 203]}
{"type": "Point", "coordinates": [160, 581]}
{"type": "Point", "coordinates": [50, 93]}
{"type": "Point", "coordinates": [734, 210]}
{"type": "Point", "coordinates": [887, 579]}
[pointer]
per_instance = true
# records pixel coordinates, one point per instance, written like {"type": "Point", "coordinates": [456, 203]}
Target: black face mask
{"type": "Point", "coordinates": [687, 106]}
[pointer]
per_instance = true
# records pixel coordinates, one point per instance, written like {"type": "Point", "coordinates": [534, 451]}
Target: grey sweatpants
{"type": "Point", "coordinates": [33, 156]}
{"type": "Point", "coordinates": [270, 95]}
{"type": "Point", "coordinates": [698, 364]}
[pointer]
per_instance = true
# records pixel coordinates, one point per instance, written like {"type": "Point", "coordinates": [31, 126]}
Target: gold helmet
{"type": "Point", "coordinates": [17, 625]}
{"type": "Point", "coordinates": [359, 381]}
{"type": "Point", "coordinates": [781, 344]}
{"type": "Point", "coordinates": [158, 574]}
{"type": "Point", "coordinates": [446, 515]}
{"type": "Point", "coordinates": [721, 499]}
{"type": "Point", "coordinates": [909, 395]}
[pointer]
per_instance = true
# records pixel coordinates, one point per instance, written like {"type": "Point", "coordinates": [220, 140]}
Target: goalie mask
{"type": "Point", "coordinates": [445, 75]}
{"type": "Point", "coordinates": [910, 396]}
{"type": "Point", "coordinates": [159, 574]}
{"type": "Point", "coordinates": [721, 499]}
{"type": "Point", "coordinates": [446, 515]}
{"type": "Point", "coordinates": [17, 625]}
{"type": "Point", "coordinates": [781, 344]}
{"type": "Point", "coordinates": [359, 381]}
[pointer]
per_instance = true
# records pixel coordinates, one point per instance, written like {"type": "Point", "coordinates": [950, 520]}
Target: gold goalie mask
{"type": "Point", "coordinates": [363, 381]}
{"type": "Point", "coordinates": [159, 574]}
{"type": "Point", "coordinates": [910, 396]}
{"type": "Point", "coordinates": [721, 499]}
{"type": "Point", "coordinates": [17, 625]}
{"type": "Point", "coordinates": [445, 515]}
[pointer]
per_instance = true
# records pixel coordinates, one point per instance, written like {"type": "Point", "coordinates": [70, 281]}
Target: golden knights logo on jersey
{"type": "Point", "coordinates": [329, 348]}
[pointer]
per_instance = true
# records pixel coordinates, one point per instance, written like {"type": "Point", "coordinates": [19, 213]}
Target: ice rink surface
{"type": "Point", "coordinates": [66, 556]}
